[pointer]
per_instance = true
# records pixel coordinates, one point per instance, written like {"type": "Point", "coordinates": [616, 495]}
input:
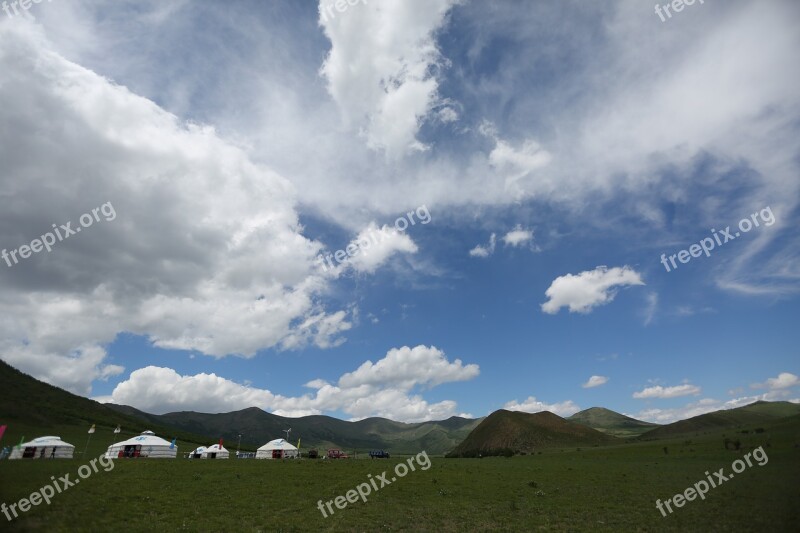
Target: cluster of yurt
{"type": "Point", "coordinates": [211, 452]}
{"type": "Point", "coordinates": [277, 449]}
{"type": "Point", "coordinates": [43, 448]}
{"type": "Point", "coordinates": [146, 445]}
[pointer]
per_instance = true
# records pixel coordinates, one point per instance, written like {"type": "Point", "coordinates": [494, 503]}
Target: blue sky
{"type": "Point", "coordinates": [550, 151]}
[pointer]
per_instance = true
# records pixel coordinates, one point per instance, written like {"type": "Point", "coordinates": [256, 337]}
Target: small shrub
{"type": "Point", "coordinates": [532, 484]}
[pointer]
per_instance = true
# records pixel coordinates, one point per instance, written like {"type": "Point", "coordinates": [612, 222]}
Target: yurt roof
{"type": "Point", "coordinates": [147, 438]}
{"type": "Point", "coordinates": [199, 449]}
{"type": "Point", "coordinates": [46, 441]}
{"type": "Point", "coordinates": [278, 444]}
{"type": "Point", "coordinates": [215, 448]}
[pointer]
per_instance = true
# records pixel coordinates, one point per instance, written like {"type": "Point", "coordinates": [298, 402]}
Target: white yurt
{"type": "Point", "coordinates": [197, 453]}
{"type": "Point", "coordinates": [216, 452]}
{"type": "Point", "coordinates": [145, 445]}
{"type": "Point", "coordinates": [276, 449]}
{"type": "Point", "coordinates": [43, 448]}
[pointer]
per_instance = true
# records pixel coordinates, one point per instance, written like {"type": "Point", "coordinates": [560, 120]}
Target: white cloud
{"type": "Point", "coordinates": [514, 165]}
{"type": "Point", "coordinates": [518, 236]}
{"type": "Point", "coordinates": [595, 381]}
{"type": "Point", "coordinates": [380, 69]}
{"type": "Point", "coordinates": [159, 390]}
{"type": "Point", "coordinates": [658, 391]}
{"type": "Point", "coordinates": [584, 291]}
{"type": "Point", "coordinates": [447, 115]}
{"type": "Point", "coordinates": [784, 380]}
{"type": "Point", "coordinates": [206, 251]}
{"type": "Point", "coordinates": [374, 246]}
{"type": "Point", "coordinates": [374, 389]}
{"type": "Point", "coordinates": [650, 310]}
{"type": "Point", "coordinates": [532, 405]}
{"type": "Point", "coordinates": [484, 251]}
{"type": "Point", "coordinates": [406, 367]}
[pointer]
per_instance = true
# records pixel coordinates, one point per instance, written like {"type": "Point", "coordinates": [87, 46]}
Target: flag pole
{"type": "Point", "coordinates": [91, 430]}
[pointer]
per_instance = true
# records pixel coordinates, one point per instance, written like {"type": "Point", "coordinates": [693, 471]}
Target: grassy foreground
{"type": "Point", "coordinates": [597, 489]}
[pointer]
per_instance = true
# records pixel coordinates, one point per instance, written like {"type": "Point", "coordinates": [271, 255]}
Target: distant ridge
{"type": "Point", "coordinates": [507, 432]}
{"type": "Point", "coordinates": [258, 426]}
{"type": "Point", "coordinates": [611, 422]}
{"type": "Point", "coordinates": [29, 405]}
{"type": "Point", "coordinates": [755, 413]}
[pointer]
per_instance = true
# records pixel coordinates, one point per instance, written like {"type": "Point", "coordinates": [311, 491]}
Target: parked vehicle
{"type": "Point", "coordinates": [337, 454]}
{"type": "Point", "coordinates": [313, 454]}
{"type": "Point", "coordinates": [380, 454]}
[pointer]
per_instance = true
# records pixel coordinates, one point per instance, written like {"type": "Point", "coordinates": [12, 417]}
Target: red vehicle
{"type": "Point", "coordinates": [337, 454]}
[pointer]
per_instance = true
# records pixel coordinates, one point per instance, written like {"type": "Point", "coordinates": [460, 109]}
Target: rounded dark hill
{"type": "Point", "coordinates": [507, 432]}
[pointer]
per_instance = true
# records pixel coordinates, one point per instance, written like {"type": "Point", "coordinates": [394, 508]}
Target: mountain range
{"type": "Point", "coordinates": [31, 407]}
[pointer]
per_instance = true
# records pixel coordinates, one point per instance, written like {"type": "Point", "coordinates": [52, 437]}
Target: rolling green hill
{"type": "Point", "coordinates": [749, 415]}
{"type": "Point", "coordinates": [611, 422]}
{"type": "Point", "coordinates": [505, 432]}
{"type": "Point", "coordinates": [257, 427]}
{"type": "Point", "coordinates": [31, 408]}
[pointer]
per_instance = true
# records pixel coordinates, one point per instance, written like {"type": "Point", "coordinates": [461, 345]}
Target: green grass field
{"type": "Point", "coordinates": [597, 489]}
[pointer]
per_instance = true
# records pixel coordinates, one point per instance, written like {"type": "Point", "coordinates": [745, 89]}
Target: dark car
{"type": "Point", "coordinates": [380, 454]}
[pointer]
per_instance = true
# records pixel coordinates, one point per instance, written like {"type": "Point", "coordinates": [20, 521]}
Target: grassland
{"type": "Point", "coordinates": [610, 488]}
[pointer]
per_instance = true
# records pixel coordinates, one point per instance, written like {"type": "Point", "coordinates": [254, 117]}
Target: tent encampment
{"type": "Point", "coordinates": [43, 448]}
{"type": "Point", "coordinates": [145, 445]}
{"type": "Point", "coordinates": [215, 452]}
{"type": "Point", "coordinates": [276, 449]}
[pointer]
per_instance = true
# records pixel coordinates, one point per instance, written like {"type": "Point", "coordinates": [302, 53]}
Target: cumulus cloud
{"type": "Point", "coordinates": [532, 405]}
{"type": "Point", "coordinates": [381, 68]}
{"type": "Point", "coordinates": [584, 291]}
{"type": "Point", "coordinates": [658, 391]}
{"type": "Point", "coordinates": [784, 380]}
{"type": "Point", "coordinates": [518, 236]}
{"type": "Point", "coordinates": [406, 367]}
{"type": "Point", "coordinates": [484, 251]}
{"type": "Point", "coordinates": [375, 246]}
{"type": "Point", "coordinates": [206, 252]}
{"type": "Point", "coordinates": [595, 381]}
{"type": "Point", "coordinates": [384, 388]}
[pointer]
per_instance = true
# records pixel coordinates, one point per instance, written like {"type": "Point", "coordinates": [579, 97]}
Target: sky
{"type": "Point", "coordinates": [412, 209]}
